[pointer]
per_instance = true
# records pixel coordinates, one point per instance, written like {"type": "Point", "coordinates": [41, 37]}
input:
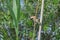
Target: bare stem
{"type": "Point", "coordinates": [41, 16]}
{"type": "Point", "coordinates": [36, 11]}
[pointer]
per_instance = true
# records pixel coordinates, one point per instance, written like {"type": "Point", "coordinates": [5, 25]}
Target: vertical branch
{"type": "Point", "coordinates": [37, 8]}
{"type": "Point", "coordinates": [34, 30]}
{"type": "Point", "coordinates": [36, 11]}
{"type": "Point", "coordinates": [41, 16]}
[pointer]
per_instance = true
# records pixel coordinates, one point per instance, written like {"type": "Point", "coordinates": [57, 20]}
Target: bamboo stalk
{"type": "Point", "coordinates": [41, 16]}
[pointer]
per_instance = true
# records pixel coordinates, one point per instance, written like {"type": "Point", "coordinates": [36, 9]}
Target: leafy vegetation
{"type": "Point", "coordinates": [16, 22]}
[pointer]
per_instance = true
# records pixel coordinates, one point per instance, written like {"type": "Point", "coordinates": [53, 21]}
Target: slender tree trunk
{"type": "Point", "coordinates": [41, 16]}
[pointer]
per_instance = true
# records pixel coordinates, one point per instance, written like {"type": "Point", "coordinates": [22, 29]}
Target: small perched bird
{"type": "Point", "coordinates": [34, 18]}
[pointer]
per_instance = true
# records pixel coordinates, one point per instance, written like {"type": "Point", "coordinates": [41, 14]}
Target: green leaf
{"type": "Point", "coordinates": [12, 12]}
{"type": "Point", "coordinates": [31, 34]}
{"type": "Point", "coordinates": [15, 8]}
{"type": "Point", "coordinates": [18, 9]}
{"type": "Point", "coordinates": [45, 27]}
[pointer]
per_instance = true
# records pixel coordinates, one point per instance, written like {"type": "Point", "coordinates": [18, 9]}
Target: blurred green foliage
{"type": "Point", "coordinates": [15, 22]}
